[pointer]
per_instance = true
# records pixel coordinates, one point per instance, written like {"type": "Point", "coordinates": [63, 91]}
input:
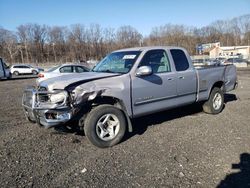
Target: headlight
{"type": "Point", "coordinates": [58, 97]}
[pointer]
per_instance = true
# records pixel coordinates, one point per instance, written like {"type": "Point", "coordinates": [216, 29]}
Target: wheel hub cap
{"type": "Point", "coordinates": [107, 127]}
{"type": "Point", "coordinates": [217, 101]}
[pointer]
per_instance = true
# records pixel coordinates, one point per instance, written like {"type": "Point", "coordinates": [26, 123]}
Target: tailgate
{"type": "Point", "coordinates": [230, 77]}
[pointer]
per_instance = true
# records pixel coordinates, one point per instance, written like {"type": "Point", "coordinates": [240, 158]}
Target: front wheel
{"type": "Point", "coordinates": [34, 72]}
{"type": "Point", "coordinates": [215, 103]}
{"type": "Point", "coordinates": [105, 126]}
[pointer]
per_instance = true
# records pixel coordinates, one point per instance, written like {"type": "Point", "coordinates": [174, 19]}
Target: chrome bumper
{"type": "Point", "coordinates": [44, 113]}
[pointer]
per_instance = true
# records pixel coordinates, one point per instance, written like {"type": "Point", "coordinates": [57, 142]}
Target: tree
{"type": "Point", "coordinates": [127, 36]}
{"type": "Point", "coordinates": [9, 42]}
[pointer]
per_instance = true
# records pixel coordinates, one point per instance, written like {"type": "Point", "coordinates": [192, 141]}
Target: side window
{"type": "Point", "coordinates": [66, 69]}
{"type": "Point", "coordinates": [79, 69]}
{"type": "Point", "coordinates": [180, 60]}
{"type": "Point", "coordinates": [157, 60]}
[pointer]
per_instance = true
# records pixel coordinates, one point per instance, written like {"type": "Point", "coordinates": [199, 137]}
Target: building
{"type": "Point", "coordinates": [230, 52]}
{"type": "Point", "coordinates": [215, 50]}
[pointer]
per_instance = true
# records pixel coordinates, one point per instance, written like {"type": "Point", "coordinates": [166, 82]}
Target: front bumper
{"type": "Point", "coordinates": [44, 113]}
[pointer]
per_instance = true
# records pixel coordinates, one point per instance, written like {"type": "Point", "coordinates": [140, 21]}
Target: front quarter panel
{"type": "Point", "coordinates": [116, 87]}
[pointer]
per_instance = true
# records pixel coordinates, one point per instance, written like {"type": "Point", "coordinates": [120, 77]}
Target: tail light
{"type": "Point", "coordinates": [40, 75]}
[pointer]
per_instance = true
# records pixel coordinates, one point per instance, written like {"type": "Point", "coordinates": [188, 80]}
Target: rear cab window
{"type": "Point", "coordinates": [180, 60]}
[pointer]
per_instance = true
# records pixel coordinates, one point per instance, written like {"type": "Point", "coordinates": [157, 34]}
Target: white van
{"type": "Point", "coordinates": [4, 70]}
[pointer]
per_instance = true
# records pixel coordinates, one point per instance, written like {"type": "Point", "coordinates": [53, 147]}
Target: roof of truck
{"type": "Point", "coordinates": [148, 48]}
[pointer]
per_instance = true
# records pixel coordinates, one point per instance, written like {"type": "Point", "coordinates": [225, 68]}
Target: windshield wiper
{"type": "Point", "coordinates": [109, 71]}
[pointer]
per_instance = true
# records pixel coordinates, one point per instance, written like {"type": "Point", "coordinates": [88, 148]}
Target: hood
{"type": "Point", "coordinates": [74, 79]}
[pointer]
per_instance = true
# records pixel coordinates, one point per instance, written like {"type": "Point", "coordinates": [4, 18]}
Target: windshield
{"type": "Point", "coordinates": [117, 62]}
{"type": "Point", "coordinates": [53, 68]}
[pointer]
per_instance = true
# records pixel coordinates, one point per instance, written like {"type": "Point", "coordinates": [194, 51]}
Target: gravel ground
{"type": "Point", "coordinates": [178, 148]}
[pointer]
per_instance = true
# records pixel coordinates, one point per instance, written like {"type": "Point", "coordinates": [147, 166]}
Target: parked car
{"type": "Point", "coordinates": [62, 70]}
{"type": "Point", "coordinates": [126, 84]}
{"type": "Point", "coordinates": [235, 60]}
{"type": "Point", "coordinates": [4, 70]}
{"type": "Point", "coordinates": [214, 62]}
{"type": "Point", "coordinates": [24, 69]}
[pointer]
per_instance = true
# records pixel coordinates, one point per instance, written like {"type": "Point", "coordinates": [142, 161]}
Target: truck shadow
{"type": "Point", "coordinates": [229, 97]}
{"type": "Point", "coordinates": [241, 178]}
{"type": "Point", "coordinates": [140, 125]}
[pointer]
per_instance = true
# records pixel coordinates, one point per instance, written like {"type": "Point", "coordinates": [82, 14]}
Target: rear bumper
{"type": "Point", "coordinates": [49, 116]}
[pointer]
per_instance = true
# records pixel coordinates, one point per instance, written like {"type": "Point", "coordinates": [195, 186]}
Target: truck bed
{"type": "Point", "coordinates": [210, 74]}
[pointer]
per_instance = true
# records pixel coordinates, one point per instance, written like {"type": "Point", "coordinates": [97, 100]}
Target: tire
{"type": "Point", "coordinates": [34, 72]}
{"type": "Point", "coordinates": [215, 103]}
{"type": "Point", "coordinates": [98, 126]}
{"type": "Point", "coordinates": [16, 73]}
{"type": "Point", "coordinates": [10, 76]}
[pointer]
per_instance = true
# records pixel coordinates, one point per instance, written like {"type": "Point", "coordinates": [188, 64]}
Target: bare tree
{"type": "Point", "coordinates": [57, 42]}
{"type": "Point", "coordinates": [9, 41]}
{"type": "Point", "coordinates": [128, 36]}
{"type": "Point", "coordinates": [23, 36]}
{"type": "Point", "coordinates": [77, 41]}
{"type": "Point", "coordinates": [95, 39]}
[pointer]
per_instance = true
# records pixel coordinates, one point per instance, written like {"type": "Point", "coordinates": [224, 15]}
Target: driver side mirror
{"type": "Point", "coordinates": [144, 71]}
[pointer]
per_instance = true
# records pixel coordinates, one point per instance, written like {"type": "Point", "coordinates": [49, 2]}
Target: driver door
{"type": "Point", "coordinates": [157, 91]}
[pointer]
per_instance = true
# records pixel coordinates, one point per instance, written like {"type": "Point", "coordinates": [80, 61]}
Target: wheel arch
{"type": "Point", "coordinates": [219, 84]}
{"type": "Point", "coordinates": [117, 103]}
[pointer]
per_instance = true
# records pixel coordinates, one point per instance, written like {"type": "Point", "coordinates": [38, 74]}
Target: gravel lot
{"type": "Point", "coordinates": [177, 148]}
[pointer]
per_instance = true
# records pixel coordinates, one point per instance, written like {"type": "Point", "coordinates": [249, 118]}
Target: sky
{"type": "Point", "coordinates": [140, 14]}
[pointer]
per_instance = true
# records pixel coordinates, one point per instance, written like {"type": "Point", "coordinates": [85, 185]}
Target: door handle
{"type": "Point", "coordinates": [170, 79]}
{"type": "Point", "coordinates": [181, 77]}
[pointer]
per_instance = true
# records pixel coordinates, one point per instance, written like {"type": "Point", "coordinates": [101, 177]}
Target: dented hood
{"type": "Point", "coordinates": [65, 81]}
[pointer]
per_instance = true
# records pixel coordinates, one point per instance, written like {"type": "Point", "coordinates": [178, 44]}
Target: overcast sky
{"type": "Point", "coordinates": [141, 14]}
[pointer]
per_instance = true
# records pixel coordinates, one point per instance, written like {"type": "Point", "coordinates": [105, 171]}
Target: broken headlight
{"type": "Point", "coordinates": [58, 98]}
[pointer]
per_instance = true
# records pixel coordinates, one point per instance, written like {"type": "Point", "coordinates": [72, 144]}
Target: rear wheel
{"type": "Point", "coordinates": [105, 126]}
{"type": "Point", "coordinates": [215, 103]}
{"type": "Point", "coordinates": [16, 73]}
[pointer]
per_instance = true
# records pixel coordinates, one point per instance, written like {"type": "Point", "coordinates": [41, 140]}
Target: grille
{"type": "Point", "coordinates": [42, 97]}
{"type": "Point", "coordinates": [42, 88]}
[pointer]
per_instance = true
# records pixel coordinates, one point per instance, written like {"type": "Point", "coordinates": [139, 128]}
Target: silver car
{"type": "Point", "coordinates": [62, 70]}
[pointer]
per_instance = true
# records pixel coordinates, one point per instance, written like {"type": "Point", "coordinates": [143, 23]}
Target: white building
{"type": "Point", "coordinates": [230, 52]}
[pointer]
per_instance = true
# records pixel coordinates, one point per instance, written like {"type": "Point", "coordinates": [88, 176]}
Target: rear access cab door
{"type": "Point", "coordinates": [186, 76]}
{"type": "Point", "coordinates": [171, 84]}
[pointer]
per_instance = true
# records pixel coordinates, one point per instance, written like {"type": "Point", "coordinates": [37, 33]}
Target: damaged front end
{"type": "Point", "coordinates": [52, 108]}
{"type": "Point", "coordinates": [46, 108]}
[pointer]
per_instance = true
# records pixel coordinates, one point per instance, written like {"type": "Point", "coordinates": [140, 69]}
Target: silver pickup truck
{"type": "Point", "coordinates": [127, 83]}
